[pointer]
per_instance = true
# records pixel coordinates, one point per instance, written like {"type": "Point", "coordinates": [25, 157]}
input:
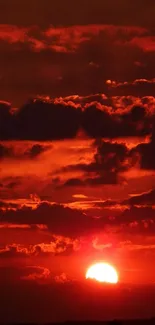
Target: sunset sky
{"type": "Point", "coordinates": [77, 158]}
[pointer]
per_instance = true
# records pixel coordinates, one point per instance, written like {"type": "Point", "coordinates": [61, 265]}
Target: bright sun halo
{"type": "Point", "coordinates": [102, 272]}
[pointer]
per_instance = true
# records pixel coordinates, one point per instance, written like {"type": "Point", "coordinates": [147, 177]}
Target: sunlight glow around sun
{"type": "Point", "coordinates": [102, 272]}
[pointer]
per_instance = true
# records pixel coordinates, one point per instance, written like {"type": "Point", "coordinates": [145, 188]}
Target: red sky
{"type": "Point", "coordinates": [77, 163]}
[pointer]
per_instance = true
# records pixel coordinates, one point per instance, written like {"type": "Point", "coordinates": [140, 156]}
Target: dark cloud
{"type": "Point", "coordinates": [136, 214]}
{"type": "Point", "coordinates": [72, 223]}
{"type": "Point", "coordinates": [60, 220]}
{"type": "Point", "coordinates": [36, 273]}
{"type": "Point", "coordinates": [5, 152]}
{"type": "Point", "coordinates": [59, 245]}
{"type": "Point", "coordinates": [98, 123]}
{"type": "Point", "coordinates": [139, 87]}
{"type": "Point", "coordinates": [109, 160]}
{"type": "Point", "coordinates": [11, 151]}
{"type": "Point", "coordinates": [74, 182]}
{"type": "Point", "coordinates": [4, 204]}
{"type": "Point", "coordinates": [56, 60]}
{"type": "Point", "coordinates": [41, 119]}
{"type": "Point", "coordinates": [83, 100]}
{"type": "Point", "coordinates": [101, 123]}
{"type": "Point", "coordinates": [147, 199]}
{"type": "Point", "coordinates": [12, 185]}
{"type": "Point", "coordinates": [35, 150]}
{"type": "Point", "coordinates": [106, 204]}
{"type": "Point", "coordinates": [15, 274]}
{"type": "Point", "coordinates": [110, 178]}
{"type": "Point", "coordinates": [112, 159]}
{"type": "Point", "coordinates": [146, 152]}
{"type": "Point", "coordinates": [14, 250]}
{"type": "Point", "coordinates": [147, 157]}
{"type": "Point", "coordinates": [5, 121]}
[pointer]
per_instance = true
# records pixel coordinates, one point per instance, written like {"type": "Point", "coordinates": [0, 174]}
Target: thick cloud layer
{"type": "Point", "coordinates": [60, 220]}
{"type": "Point", "coordinates": [53, 119]}
{"type": "Point", "coordinates": [73, 223]}
{"type": "Point", "coordinates": [76, 59]}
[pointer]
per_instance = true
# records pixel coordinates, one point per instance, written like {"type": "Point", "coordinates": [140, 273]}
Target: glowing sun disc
{"type": "Point", "coordinates": [102, 272]}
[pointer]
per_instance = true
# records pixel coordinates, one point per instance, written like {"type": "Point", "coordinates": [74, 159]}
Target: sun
{"type": "Point", "coordinates": [102, 272]}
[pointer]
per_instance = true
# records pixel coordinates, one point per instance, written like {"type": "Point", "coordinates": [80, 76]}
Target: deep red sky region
{"type": "Point", "coordinates": [77, 158]}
